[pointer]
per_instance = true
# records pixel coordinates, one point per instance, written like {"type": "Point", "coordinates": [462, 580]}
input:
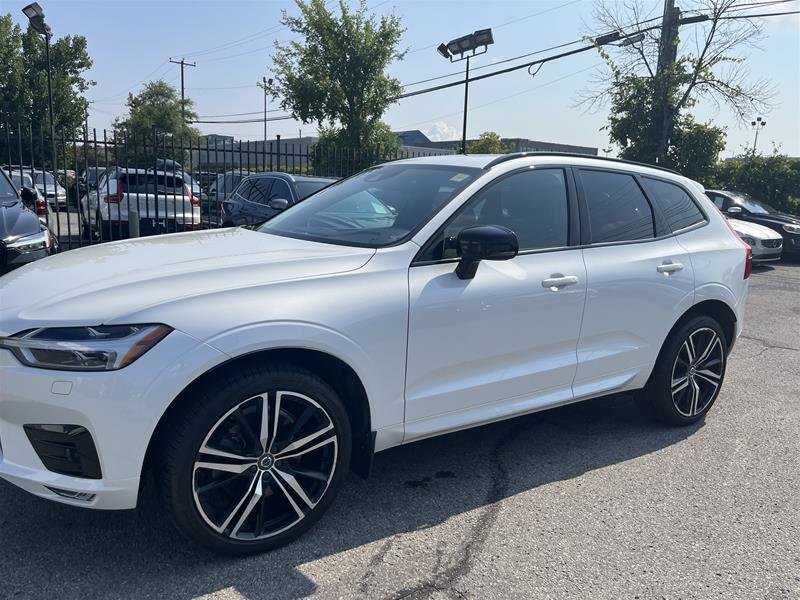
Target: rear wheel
{"type": "Point", "coordinates": [257, 460]}
{"type": "Point", "coordinates": [688, 375]}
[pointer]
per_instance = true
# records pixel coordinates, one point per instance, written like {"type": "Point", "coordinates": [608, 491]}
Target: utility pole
{"type": "Point", "coordinates": [466, 101]}
{"type": "Point", "coordinates": [182, 62]}
{"type": "Point", "coordinates": [265, 83]}
{"type": "Point", "coordinates": [667, 55]}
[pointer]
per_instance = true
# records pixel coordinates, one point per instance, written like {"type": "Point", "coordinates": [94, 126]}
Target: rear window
{"type": "Point", "coordinates": [149, 183]}
{"type": "Point", "coordinates": [678, 207]}
{"type": "Point", "coordinates": [306, 188]}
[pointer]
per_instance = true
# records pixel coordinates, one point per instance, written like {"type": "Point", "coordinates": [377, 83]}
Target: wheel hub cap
{"type": "Point", "coordinates": [265, 462]}
{"type": "Point", "coordinates": [697, 372]}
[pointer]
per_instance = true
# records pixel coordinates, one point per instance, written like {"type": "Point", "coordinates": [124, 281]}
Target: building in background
{"type": "Point", "coordinates": [416, 138]}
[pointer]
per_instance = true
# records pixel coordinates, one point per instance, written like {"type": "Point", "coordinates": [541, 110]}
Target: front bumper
{"type": "Point", "coordinates": [120, 410]}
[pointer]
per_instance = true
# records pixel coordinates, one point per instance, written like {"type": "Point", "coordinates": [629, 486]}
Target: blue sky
{"type": "Point", "coordinates": [231, 43]}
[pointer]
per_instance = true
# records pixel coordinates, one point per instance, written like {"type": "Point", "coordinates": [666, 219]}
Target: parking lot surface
{"type": "Point", "coordinates": [585, 501]}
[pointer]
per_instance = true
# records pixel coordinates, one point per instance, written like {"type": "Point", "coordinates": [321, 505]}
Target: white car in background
{"type": "Point", "coordinates": [766, 243]}
{"type": "Point", "coordinates": [250, 369]}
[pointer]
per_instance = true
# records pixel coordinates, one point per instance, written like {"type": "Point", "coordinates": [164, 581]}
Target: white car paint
{"type": "Point", "coordinates": [434, 353]}
{"type": "Point", "coordinates": [767, 244]}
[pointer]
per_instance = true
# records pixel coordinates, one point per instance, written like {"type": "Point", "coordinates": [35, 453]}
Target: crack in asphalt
{"type": "Point", "coordinates": [768, 345]}
{"type": "Point", "coordinates": [443, 581]}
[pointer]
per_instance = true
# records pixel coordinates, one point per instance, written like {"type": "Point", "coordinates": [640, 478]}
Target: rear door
{"type": "Point", "coordinates": [257, 205]}
{"type": "Point", "coordinates": [640, 280]}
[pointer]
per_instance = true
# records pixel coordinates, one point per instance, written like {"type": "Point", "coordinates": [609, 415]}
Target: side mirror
{"type": "Point", "coordinates": [278, 204]}
{"type": "Point", "coordinates": [28, 196]}
{"type": "Point", "coordinates": [484, 242]}
{"type": "Point", "coordinates": [734, 210]}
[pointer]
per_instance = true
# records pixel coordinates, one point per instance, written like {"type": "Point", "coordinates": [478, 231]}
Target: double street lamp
{"type": "Point", "coordinates": [35, 15]}
{"type": "Point", "coordinates": [464, 48]}
{"type": "Point", "coordinates": [757, 125]}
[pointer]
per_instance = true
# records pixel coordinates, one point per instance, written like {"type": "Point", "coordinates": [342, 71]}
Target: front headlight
{"type": "Point", "coordinates": [748, 240]}
{"type": "Point", "coordinates": [791, 228]}
{"type": "Point", "coordinates": [30, 243]}
{"type": "Point", "coordinates": [101, 348]}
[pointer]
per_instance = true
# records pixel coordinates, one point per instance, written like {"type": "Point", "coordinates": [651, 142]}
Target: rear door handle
{"type": "Point", "coordinates": [668, 267]}
{"type": "Point", "coordinates": [557, 281]}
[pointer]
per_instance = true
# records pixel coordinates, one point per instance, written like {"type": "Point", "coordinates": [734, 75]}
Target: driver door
{"type": "Point", "coordinates": [503, 342]}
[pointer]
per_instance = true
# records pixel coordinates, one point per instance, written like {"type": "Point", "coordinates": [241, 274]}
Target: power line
{"type": "Point", "coordinates": [281, 118]}
{"type": "Point", "coordinates": [244, 114]}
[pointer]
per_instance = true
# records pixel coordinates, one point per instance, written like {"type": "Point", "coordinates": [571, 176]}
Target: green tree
{"type": "Point", "coordinates": [336, 75]}
{"type": "Point", "coordinates": [488, 143]}
{"type": "Point", "coordinates": [333, 156]}
{"type": "Point", "coordinates": [775, 179]}
{"type": "Point", "coordinates": [23, 95]}
{"type": "Point", "coordinates": [157, 107]}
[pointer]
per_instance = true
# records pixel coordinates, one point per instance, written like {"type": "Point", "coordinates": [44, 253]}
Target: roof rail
{"type": "Point", "coordinates": [513, 155]}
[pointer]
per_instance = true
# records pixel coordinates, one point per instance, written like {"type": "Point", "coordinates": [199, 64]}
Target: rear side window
{"type": "Point", "coordinates": [676, 205]}
{"type": "Point", "coordinates": [618, 209]}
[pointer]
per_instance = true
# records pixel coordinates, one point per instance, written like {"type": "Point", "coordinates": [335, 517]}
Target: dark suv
{"type": "Point", "coordinates": [23, 237]}
{"type": "Point", "coordinates": [738, 205]}
{"type": "Point", "coordinates": [259, 197]}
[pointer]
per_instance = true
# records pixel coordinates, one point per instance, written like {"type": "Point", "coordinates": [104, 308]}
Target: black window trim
{"type": "Point", "coordinates": [573, 229]}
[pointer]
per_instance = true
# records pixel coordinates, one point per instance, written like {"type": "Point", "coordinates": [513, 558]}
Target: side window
{"type": "Point", "coordinates": [532, 203]}
{"type": "Point", "coordinates": [618, 209]}
{"type": "Point", "coordinates": [243, 190]}
{"type": "Point", "coordinates": [259, 193]}
{"type": "Point", "coordinates": [280, 189]}
{"type": "Point", "coordinates": [676, 205]}
{"type": "Point", "coordinates": [718, 200]}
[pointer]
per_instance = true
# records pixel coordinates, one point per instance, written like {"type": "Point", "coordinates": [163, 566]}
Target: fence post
{"type": "Point", "coordinates": [133, 221]}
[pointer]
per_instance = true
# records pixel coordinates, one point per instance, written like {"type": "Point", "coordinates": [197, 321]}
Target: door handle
{"type": "Point", "coordinates": [668, 267]}
{"type": "Point", "coordinates": [557, 281]}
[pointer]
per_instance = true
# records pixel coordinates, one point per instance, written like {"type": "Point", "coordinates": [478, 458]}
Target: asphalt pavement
{"type": "Point", "coordinates": [586, 501]}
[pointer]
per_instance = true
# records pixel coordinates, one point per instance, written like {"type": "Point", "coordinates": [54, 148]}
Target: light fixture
{"type": "Point", "coordinates": [442, 49]}
{"type": "Point", "coordinates": [33, 10]}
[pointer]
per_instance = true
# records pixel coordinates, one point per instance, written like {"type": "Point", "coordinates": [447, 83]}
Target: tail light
{"type": "Point", "coordinates": [192, 198]}
{"type": "Point", "coordinates": [41, 207]}
{"type": "Point", "coordinates": [115, 198]}
{"type": "Point", "coordinates": [748, 255]}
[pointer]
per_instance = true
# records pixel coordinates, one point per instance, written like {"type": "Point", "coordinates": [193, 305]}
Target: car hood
{"type": "Point", "coordinates": [16, 220]}
{"type": "Point", "coordinates": [778, 218]}
{"type": "Point", "coordinates": [104, 283]}
{"type": "Point", "coordinates": [754, 230]}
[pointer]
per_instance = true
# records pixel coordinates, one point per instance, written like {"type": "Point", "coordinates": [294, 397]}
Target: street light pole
{"type": "Point", "coordinates": [466, 100]}
{"type": "Point", "coordinates": [758, 124]}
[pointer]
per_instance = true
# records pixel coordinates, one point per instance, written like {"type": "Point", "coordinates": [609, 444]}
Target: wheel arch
{"type": "Point", "coordinates": [333, 370]}
{"type": "Point", "coordinates": [718, 310]}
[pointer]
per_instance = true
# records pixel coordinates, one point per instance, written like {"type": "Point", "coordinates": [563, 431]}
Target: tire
{"type": "Point", "coordinates": [273, 496]}
{"type": "Point", "coordinates": [688, 374]}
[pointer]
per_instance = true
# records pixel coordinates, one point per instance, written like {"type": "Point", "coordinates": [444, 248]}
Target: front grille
{"type": "Point", "coordinates": [65, 449]}
{"type": "Point", "coordinates": [772, 243]}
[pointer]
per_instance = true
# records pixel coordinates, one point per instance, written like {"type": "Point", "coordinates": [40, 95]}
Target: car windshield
{"type": "Point", "coordinates": [306, 188]}
{"type": "Point", "coordinates": [44, 179]}
{"type": "Point", "coordinates": [753, 205]}
{"type": "Point", "coordinates": [374, 208]}
{"type": "Point", "coordinates": [21, 181]}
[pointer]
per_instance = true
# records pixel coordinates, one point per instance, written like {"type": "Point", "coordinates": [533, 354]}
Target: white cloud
{"type": "Point", "coordinates": [441, 132]}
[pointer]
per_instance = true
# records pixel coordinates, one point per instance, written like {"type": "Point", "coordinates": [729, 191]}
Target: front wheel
{"type": "Point", "coordinates": [256, 459]}
{"type": "Point", "coordinates": [688, 375]}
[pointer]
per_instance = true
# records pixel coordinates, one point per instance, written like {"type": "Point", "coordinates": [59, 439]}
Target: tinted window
{"type": "Point", "coordinates": [243, 190]}
{"type": "Point", "coordinates": [676, 205]}
{"type": "Point", "coordinates": [7, 190]}
{"type": "Point", "coordinates": [375, 208]}
{"type": "Point", "coordinates": [280, 189]}
{"type": "Point", "coordinates": [618, 210]}
{"type": "Point", "coordinates": [149, 183]}
{"type": "Point", "coordinates": [306, 188]}
{"type": "Point", "coordinates": [718, 200]}
{"type": "Point", "coordinates": [533, 204]}
{"type": "Point", "coordinates": [259, 193]}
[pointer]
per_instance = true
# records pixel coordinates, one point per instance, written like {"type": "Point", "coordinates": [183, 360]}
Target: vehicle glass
{"type": "Point", "coordinates": [44, 178]}
{"type": "Point", "coordinates": [306, 188]}
{"type": "Point", "coordinates": [21, 182]}
{"type": "Point", "coordinates": [752, 205]}
{"type": "Point", "coordinates": [7, 189]}
{"type": "Point", "coordinates": [375, 208]}
{"type": "Point", "coordinates": [718, 200]}
{"type": "Point", "coordinates": [149, 183]}
{"type": "Point", "coordinates": [260, 191]}
{"type": "Point", "coordinates": [533, 204]}
{"type": "Point", "coordinates": [280, 189]}
{"type": "Point", "coordinates": [618, 209]}
{"type": "Point", "coordinates": [675, 204]}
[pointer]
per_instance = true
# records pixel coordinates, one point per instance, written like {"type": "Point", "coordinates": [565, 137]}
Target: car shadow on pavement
{"type": "Point", "coordinates": [59, 551]}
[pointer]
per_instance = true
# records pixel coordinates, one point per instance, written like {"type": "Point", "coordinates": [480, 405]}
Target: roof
{"type": "Point", "coordinates": [290, 177]}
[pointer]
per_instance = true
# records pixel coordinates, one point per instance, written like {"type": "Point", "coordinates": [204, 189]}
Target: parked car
{"type": "Point", "coordinates": [23, 237]}
{"type": "Point", "coordinates": [37, 202]}
{"type": "Point", "coordinates": [767, 244]}
{"type": "Point", "coordinates": [221, 189]}
{"type": "Point", "coordinates": [262, 196]}
{"type": "Point", "coordinates": [744, 207]}
{"type": "Point", "coordinates": [251, 368]}
{"type": "Point", "coordinates": [45, 183]}
{"type": "Point", "coordinates": [164, 202]}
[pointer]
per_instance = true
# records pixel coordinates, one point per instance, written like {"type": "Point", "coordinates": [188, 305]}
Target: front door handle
{"type": "Point", "coordinates": [556, 281]}
{"type": "Point", "coordinates": [668, 267]}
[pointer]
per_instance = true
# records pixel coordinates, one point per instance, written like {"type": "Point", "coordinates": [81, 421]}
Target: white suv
{"type": "Point", "coordinates": [249, 369]}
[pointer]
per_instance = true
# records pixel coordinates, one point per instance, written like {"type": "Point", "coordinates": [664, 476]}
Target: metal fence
{"type": "Point", "coordinates": [78, 202]}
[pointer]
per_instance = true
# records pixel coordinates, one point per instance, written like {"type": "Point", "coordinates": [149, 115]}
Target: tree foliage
{"type": "Point", "coordinates": [488, 142]}
{"type": "Point", "coordinates": [336, 76]}
{"type": "Point", "coordinates": [649, 103]}
{"type": "Point", "coordinates": [775, 179]}
{"type": "Point", "coordinates": [334, 156]}
{"type": "Point", "coordinates": [23, 94]}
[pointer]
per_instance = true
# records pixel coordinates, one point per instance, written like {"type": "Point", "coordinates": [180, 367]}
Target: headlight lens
{"type": "Point", "coordinates": [791, 228]}
{"type": "Point", "coordinates": [748, 240]}
{"type": "Point", "coordinates": [30, 243]}
{"type": "Point", "coordinates": [101, 348]}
